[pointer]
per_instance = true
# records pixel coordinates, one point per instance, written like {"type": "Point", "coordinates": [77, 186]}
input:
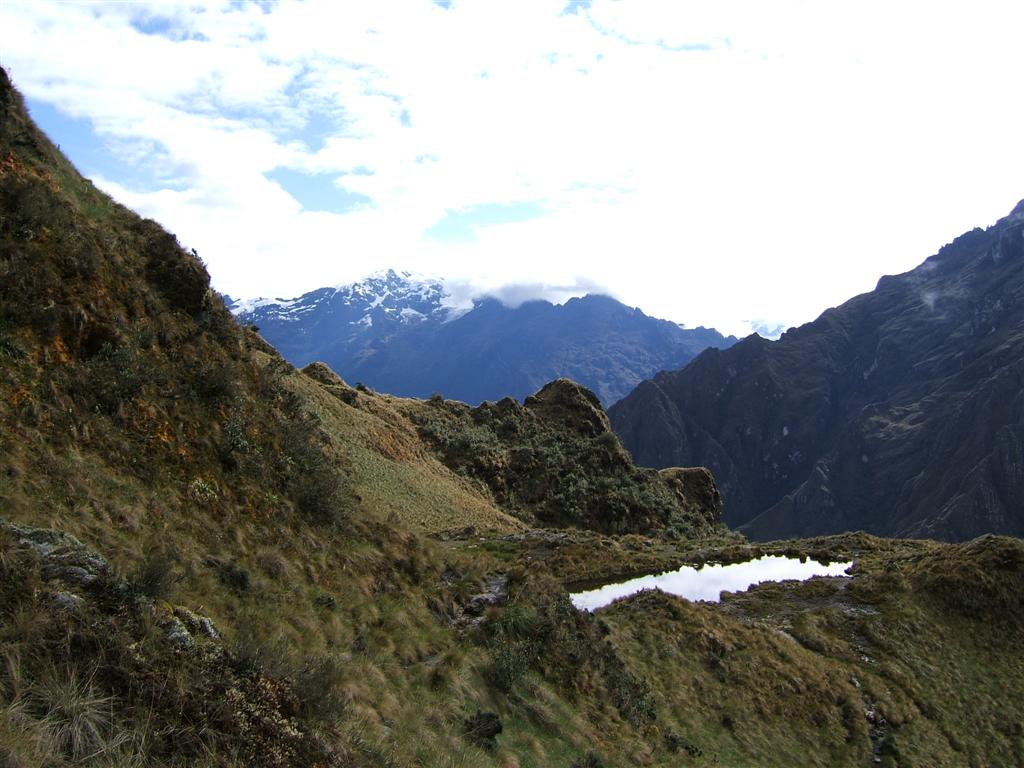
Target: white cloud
{"type": "Point", "coordinates": [709, 162]}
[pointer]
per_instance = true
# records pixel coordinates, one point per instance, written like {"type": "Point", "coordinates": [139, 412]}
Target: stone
{"type": "Point", "coordinates": [68, 601]}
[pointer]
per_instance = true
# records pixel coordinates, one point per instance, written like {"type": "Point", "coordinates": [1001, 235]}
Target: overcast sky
{"type": "Point", "coordinates": [716, 163]}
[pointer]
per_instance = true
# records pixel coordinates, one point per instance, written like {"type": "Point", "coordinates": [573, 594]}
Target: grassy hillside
{"type": "Point", "coordinates": [208, 557]}
{"type": "Point", "coordinates": [208, 473]}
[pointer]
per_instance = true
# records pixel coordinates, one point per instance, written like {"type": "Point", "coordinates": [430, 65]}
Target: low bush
{"type": "Point", "coordinates": [109, 379]}
{"type": "Point", "coordinates": [215, 382]}
{"type": "Point", "coordinates": [236, 577]}
{"type": "Point", "coordinates": [316, 486]}
{"type": "Point", "coordinates": [154, 577]}
{"type": "Point", "coordinates": [482, 729]}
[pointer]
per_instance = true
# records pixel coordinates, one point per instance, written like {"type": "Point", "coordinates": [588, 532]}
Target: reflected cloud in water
{"type": "Point", "coordinates": [709, 582]}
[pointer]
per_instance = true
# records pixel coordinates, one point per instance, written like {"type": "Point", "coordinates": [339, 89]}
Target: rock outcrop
{"type": "Point", "coordinates": [555, 461]}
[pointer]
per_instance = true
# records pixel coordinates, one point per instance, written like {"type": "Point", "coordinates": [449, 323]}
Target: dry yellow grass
{"type": "Point", "coordinates": [390, 468]}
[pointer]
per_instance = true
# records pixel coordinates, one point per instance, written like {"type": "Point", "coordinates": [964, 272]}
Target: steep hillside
{"type": "Point", "coordinates": [900, 412]}
{"type": "Point", "coordinates": [154, 456]}
{"type": "Point", "coordinates": [398, 334]}
{"type": "Point", "coordinates": [210, 558]}
{"type": "Point", "coordinates": [207, 555]}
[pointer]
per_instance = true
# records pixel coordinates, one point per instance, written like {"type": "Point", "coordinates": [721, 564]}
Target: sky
{"type": "Point", "coordinates": [729, 164]}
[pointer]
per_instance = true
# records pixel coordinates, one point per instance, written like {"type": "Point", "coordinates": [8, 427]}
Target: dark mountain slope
{"type": "Point", "coordinates": [900, 412]}
{"type": "Point", "coordinates": [395, 334]}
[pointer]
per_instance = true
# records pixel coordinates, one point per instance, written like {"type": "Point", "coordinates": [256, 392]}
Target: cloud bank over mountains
{"type": "Point", "coordinates": [707, 162]}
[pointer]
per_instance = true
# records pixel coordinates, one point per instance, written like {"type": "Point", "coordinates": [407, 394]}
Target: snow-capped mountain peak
{"type": "Point", "coordinates": [381, 300]}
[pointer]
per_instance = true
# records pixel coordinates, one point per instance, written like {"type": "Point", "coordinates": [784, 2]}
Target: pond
{"type": "Point", "coordinates": [708, 583]}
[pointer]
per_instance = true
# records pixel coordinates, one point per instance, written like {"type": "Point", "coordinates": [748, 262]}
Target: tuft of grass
{"type": "Point", "coordinates": [26, 741]}
{"type": "Point", "coordinates": [76, 712]}
{"type": "Point", "coordinates": [10, 349]}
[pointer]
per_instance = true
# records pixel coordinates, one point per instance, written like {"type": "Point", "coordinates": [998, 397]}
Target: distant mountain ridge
{"type": "Point", "coordinates": [900, 412]}
{"type": "Point", "coordinates": [407, 336]}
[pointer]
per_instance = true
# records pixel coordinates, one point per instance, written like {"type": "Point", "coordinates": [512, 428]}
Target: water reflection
{"type": "Point", "coordinates": [710, 581]}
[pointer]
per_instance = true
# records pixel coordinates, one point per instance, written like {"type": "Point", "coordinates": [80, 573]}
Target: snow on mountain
{"type": "Point", "coordinates": [411, 335]}
{"type": "Point", "coordinates": [402, 296]}
{"type": "Point", "coordinates": [241, 306]}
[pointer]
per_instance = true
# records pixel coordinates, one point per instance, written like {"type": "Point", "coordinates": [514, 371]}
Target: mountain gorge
{"type": "Point", "coordinates": [401, 335]}
{"type": "Point", "coordinates": [900, 412]}
{"type": "Point", "coordinates": [212, 558]}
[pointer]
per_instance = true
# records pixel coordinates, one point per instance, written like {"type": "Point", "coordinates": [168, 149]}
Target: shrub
{"type": "Point", "coordinates": [154, 577]}
{"type": "Point", "coordinates": [110, 378]}
{"type": "Point", "coordinates": [482, 729]}
{"type": "Point", "coordinates": [217, 320]}
{"type": "Point", "coordinates": [237, 450]}
{"type": "Point", "coordinates": [510, 660]}
{"type": "Point", "coordinates": [202, 490]}
{"type": "Point", "coordinates": [234, 576]}
{"type": "Point", "coordinates": [180, 277]}
{"type": "Point", "coordinates": [676, 743]}
{"type": "Point", "coordinates": [214, 382]}
{"type": "Point", "coordinates": [319, 495]}
{"type": "Point", "coordinates": [630, 694]}
{"type": "Point", "coordinates": [316, 487]}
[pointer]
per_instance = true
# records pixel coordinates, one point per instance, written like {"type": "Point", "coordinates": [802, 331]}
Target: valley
{"type": "Point", "coordinates": [211, 557]}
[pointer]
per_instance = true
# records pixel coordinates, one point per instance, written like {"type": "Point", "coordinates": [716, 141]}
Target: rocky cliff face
{"type": "Point", "coordinates": [900, 412]}
{"type": "Point", "coordinates": [399, 334]}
